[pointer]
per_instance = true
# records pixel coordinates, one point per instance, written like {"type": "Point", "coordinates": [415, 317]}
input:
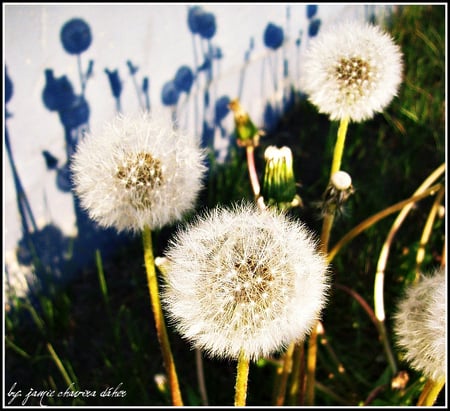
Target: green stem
{"type": "Point", "coordinates": [339, 147]}
{"type": "Point", "coordinates": [60, 366]}
{"type": "Point", "coordinates": [241, 380]}
{"type": "Point", "coordinates": [159, 319]}
{"type": "Point", "coordinates": [101, 277]}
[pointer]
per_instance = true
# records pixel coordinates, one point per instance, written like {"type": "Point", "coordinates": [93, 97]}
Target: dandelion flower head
{"type": "Point", "coordinates": [244, 279]}
{"type": "Point", "coordinates": [352, 70]}
{"type": "Point", "coordinates": [420, 325]}
{"type": "Point", "coordinates": [138, 171]}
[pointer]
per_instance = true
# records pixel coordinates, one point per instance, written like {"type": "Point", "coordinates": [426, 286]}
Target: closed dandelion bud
{"type": "Point", "coordinates": [138, 171]}
{"type": "Point", "coordinates": [244, 280]}
{"type": "Point", "coordinates": [279, 185]}
{"type": "Point", "coordinates": [341, 180]}
{"type": "Point", "coordinates": [247, 134]}
{"type": "Point", "coordinates": [338, 191]}
{"type": "Point", "coordinates": [352, 70]}
{"type": "Point", "coordinates": [420, 325]}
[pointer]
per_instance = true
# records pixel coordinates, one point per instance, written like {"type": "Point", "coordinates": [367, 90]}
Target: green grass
{"type": "Point", "coordinates": [98, 331]}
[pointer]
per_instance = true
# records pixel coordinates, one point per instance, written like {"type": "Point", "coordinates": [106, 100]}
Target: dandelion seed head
{"type": "Point", "coordinates": [138, 170]}
{"type": "Point", "coordinates": [352, 70]}
{"type": "Point", "coordinates": [420, 325]}
{"type": "Point", "coordinates": [244, 278]}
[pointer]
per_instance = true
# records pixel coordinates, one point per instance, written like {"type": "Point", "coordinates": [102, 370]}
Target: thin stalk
{"type": "Point", "coordinates": [101, 278]}
{"type": "Point", "coordinates": [374, 393]}
{"type": "Point", "coordinates": [287, 368]}
{"type": "Point", "coordinates": [311, 361]}
{"type": "Point", "coordinates": [159, 319]}
{"type": "Point", "coordinates": [381, 266]}
{"type": "Point", "coordinates": [16, 348]}
{"type": "Point", "coordinates": [60, 366]}
{"type": "Point", "coordinates": [201, 376]}
{"type": "Point", "coordinates": [367, 308]}
{"type": "Point", "coordinates": [243, 368]}
{"type": "Point", "coordinates": [337, 362]}
{"type": "Point", "coordinates": [384, 254]}
{"type": "Point", "coordinates": [427, 229]}
{"type": "Point", "coordinates": [332, 394]}
{"type": "Point", "coordinates": [381, 328]}
{"type": "Point", "coordinates": [297, 388]}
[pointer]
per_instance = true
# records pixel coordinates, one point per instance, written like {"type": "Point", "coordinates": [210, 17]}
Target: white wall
{"type": "Point", "coordinates": [154, 37]}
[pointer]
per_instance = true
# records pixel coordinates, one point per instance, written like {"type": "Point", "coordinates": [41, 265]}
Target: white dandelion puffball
{"type": "Point", "coordinates": [351, 70]}
{"type": "Point", "coordinates": [246, 279]}
{"type": "Point", "coordinates": [138, 171]}
{"type": "Point", "coordinates": [420, 325]}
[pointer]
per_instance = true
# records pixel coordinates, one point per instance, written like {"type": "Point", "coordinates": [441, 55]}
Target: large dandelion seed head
{"type": "Point", "coordinates": [138, 171]}
{"type": "Point", "coordinates": [420, 325]}
{"type": "Point", "coordinates": [352, 70]}
{"type": "Point", "coordinates": [244, 279]}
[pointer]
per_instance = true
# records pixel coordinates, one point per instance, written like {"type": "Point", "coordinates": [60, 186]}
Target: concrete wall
{"type": "Point", "coordinates": [227, 52]}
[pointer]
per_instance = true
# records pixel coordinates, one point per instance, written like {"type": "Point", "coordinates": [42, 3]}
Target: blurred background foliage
{"type": "Point", "coordinates": [97, 331]}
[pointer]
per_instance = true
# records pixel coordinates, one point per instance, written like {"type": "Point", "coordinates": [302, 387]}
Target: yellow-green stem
{"type": "Point", "coordinates": [335, 166]}
{"type": "Point", "coordinates": [430, 392]}
{"type": "Point", "coordinates": [159, 319]}
{"type": "Point", "coordinates": [339, 146]}
{"type": "Point", "coordinates": [243, 368]}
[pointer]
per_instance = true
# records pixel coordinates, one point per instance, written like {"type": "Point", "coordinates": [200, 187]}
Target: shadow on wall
{"type": "Point", "coordinates": [54, 257]}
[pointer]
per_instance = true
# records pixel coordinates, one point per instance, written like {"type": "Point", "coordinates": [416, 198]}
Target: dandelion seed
{"type": "Point", "coordinates": [420, 325]}
{"type": "Point", "coordinates": [274, 297]}
{"type": "Point", "coordinates": [352, 70]}
{"type": "Point", "coordinates": [138, 172]}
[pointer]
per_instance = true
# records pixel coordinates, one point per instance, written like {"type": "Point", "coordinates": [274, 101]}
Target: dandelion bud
{"type": "Point", "coordinates": [138, 172]}
{"type": "Point", "coordinates": [247, 134]}
{"type": "Point", "coordinates": [338, 191]}
{"type": "Point", "coordinates": [420, 325]}
{"type": "Point", "coordinates": [279, 183]}
{"type": "Point", "coordinates": [341, 180]}
{"type": "Point", "coordinates": [244, 280]}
